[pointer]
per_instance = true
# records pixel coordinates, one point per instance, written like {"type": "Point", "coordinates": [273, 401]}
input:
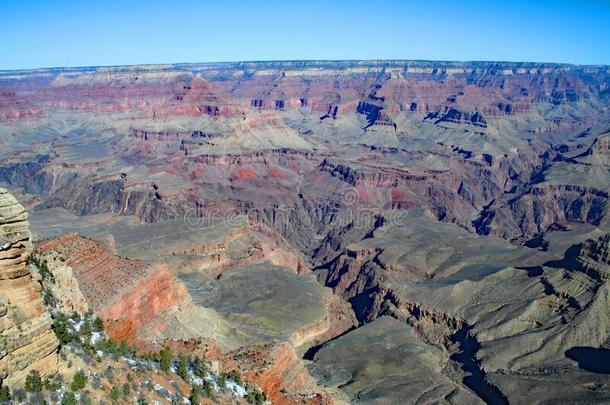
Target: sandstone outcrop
{"type": "Point", "coordinates": [27, 341]}
{"type": "Point", "coordinates": [130, 292]}
{"type": "Point", "coordinates": [63, 286]}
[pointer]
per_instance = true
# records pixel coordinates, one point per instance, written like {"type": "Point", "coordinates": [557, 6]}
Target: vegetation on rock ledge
{"type": "Point", "coordinates": [102, 368]}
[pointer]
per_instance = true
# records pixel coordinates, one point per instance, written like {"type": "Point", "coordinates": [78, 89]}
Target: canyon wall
{"type": "Point", "coordinates": [26, 339]}
{"type": "Point", "coordinates": [130, 292]}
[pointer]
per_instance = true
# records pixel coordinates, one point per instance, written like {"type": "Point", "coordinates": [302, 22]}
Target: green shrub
{"type": "Point", "coordinates": [78, 381]}
{"type": "Point", "coordinates": [234, 375]}
{"type": "Point", "coordinates": [33, 382]}
{"type": "Point", "coordinates": [5, 394]}
{"type": "Point", "coordinates": [200, 368]}
{"type": "Point", "coordinates": [48, 299]}
{"type": "Point", "coordinates": [88, 348]}
{"type": "Point", "coordinates": [125, 350]}
{"type": "Point", "coordinates": [69, 399]}
{"type": "Point", "coordinates": [166, 358]}
{"type": "Point", "coordinates": [115, 394]}
{"type": "Point", "coordinates": [60, 327]}
{"type": "Point", "coordinates": [183, 366]}
{"type": "Point", "coordinates": [41, 265]}
{"type": "Point", "coordinates": [207, 388]}
{"type": "Point", "coordinates": [85, 329]}
{"type": "Point", "coordinates": [98, 324]}
{"type": "Point", "coordinates": [260, 398]}
{"type": "Point", "coordinates": [106, 345]}
{"type": "Point", "coordinates": [195, 395]}
{"type": "Point", "coordinates": [52, 384]}
{"type": "Point", "coordinates": [254, 395]}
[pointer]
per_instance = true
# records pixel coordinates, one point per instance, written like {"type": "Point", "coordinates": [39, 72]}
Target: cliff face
{"type": "Point", "coordinates": [276, 368]}
{"type": "Point", "coordinates": [147, 299]}
{"type": "Point", "coordinates": [594, 257]}
{"type": "Point", "coordinates": [26, 339]}
{"type": "Point", "coordinates": [117, 288]}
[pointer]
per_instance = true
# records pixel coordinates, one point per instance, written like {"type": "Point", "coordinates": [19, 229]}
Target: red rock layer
{"type": "Point", "coordinates": [326, 89]}
{"type": "Point", "coordinates": [146, 299]}
{"type": "Point", "coordinates": [102, 277]}
{"type": "Point", "coordinates": [279, 372]}
{"type": "Point", "coordinates": [128, 291]}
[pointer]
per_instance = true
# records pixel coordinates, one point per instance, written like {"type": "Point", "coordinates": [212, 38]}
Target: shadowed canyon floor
{"type": "Point", "coordinates": [347, 232]}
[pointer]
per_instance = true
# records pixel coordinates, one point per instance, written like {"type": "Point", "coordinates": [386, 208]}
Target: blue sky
{"type": "Point", "coordinates": [48, 33]}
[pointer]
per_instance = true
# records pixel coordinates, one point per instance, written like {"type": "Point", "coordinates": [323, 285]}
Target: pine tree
{"type": "Point", "coordinates": [183, 366]}
{"type": "Point", "coordinates": [33, 382]}
{"type": "Point", "coordinates": [166, 358]}
{"type": "Point", "coordinates": [195, 395]}
{"type": "Point", "coordinates": [5, 394]}
{"type": "Point", "coordinates": [98, 324]}
{"type": "Point", "coordinates": [78, 381]}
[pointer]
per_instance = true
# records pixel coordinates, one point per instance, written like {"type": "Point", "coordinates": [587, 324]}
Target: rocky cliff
{"type": "Point", "coordinates": [26, 339]}
{"type": "Point", "coordinates": [594, 257]}
{"type": "Point", "coordinates": [116, 288]}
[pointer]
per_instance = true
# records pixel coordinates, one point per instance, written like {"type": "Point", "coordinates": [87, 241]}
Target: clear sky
{"type": "Point", "coordinates": [47, 33]}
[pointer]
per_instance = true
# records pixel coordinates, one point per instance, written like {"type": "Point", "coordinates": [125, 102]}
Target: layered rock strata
{"type": "Point", "coordinates": [115, 287]}
{"type": "Point", "coordinates": [26, 339]}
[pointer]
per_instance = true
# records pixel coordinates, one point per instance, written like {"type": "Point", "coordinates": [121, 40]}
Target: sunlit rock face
{"type": "Point", "coordinates": [28, 343]}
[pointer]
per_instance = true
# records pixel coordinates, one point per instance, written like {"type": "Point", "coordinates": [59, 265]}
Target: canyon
{"type": "Point", "coordinates": [336, 231]}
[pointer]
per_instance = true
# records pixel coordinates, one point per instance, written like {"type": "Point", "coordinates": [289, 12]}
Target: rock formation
{"type": "Point", "coordinates": [28, 343]}
{"type": "Point", "coordinates": [594, 257]}
{"type": "Point", "coordinates": [276, 368]}
{"type": "Point", "coordinates": [114, 287]}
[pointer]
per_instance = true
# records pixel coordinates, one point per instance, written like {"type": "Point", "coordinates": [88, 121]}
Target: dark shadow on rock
{"type": "Point", "coordinates": [595, 360]}
{"type": "Point", "coordinates": [310, 354]}
{"type": "Point", "coordinates": [570, 260]}
{"type": "Point", "coordinates": [476, 378]}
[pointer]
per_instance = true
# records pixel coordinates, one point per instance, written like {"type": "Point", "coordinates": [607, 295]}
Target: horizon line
{"type": "Point", "coordinates": [269, 61]}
